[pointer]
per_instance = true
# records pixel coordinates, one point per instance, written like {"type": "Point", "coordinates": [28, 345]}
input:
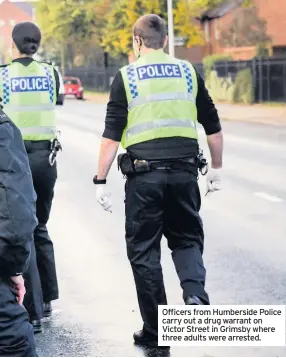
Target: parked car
{"type": "Point", "coordinates": [73, 87]}
{"type": "Point", "coordinates": [61, 96]}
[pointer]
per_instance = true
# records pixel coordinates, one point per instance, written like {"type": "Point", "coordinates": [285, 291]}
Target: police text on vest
{"type": "Point", "coordinates": [29, 84]}
{"type": "Point", "coordinates": [159, 71]}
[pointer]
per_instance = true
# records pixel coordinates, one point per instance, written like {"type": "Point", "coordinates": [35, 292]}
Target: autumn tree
{"type": "Point", "coordinates": [71, 26]}
{"type": "Point", "coordinates": [117, 38]}
{"type": "Point", "coordinates": [186, 19]}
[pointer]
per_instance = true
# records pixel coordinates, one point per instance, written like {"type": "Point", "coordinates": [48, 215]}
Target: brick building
{"type": "Point", "coordinates": [11, 13]}
{"type": "Point", "coordinates": [216, 21]}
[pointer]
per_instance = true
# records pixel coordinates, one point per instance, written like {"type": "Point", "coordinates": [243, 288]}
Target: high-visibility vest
{"type": "Point", "coordinates": [29, 99]}
{"type": "Point", "coordinates": [161, 94]}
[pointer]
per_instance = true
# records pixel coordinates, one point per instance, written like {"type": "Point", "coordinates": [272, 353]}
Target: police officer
{"type": "Point", "coordinates": [29, 90]}
{"type": "Point", "coordinates": [18, 221]}
{"type": "Point", "coordinates": [154, 109]}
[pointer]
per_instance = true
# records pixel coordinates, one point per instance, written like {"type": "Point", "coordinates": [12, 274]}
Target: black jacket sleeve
{"type": "Point", "coordinates": [117, 110]}
{"type": "Point", "coordinates": [17, 201]}
{"type": "Point", "coordinates": [57, 82]}
{"type": "Point", "coordinates": [207, 112]}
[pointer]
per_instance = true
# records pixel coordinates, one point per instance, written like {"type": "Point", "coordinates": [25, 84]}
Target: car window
{"type": "Point", "coordinates": [71, 82]}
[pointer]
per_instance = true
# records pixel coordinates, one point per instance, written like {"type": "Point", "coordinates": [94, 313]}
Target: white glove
{"type": "Point", "coordinates": [103, 196]}
{"type": "Point", "coordinates": [213, 180]}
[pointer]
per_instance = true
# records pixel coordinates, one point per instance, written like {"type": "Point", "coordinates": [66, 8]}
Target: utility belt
{"type": "Point", "coordinates": [53, 146]}
{"type": "Point", "coordinates": [130, 166]}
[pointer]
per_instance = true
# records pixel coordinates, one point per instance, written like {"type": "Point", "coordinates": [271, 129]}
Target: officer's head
{"type": "Point", "coordinates": [26, 39]}
{"type": "Point", "coordinates": [149, 33]}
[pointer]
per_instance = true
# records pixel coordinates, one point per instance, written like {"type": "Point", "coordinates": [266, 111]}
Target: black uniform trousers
{"type": "Point", "coordinates": [44, 282]}
{"type": "Point", "coordinates": [165, 203]}
{"type": "Point", "coordinates": [16, 333]}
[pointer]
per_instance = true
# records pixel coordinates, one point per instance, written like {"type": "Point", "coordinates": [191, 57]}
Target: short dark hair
{"type": "Point", "coordinates": [151, 28]}
{"type": "Point", "coordinates": [27, 37]}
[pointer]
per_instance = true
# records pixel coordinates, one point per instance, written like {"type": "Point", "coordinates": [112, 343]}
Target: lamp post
{"type": "Point", "coordinates": [171, 28]}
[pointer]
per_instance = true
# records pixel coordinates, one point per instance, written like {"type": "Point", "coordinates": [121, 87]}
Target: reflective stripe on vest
{"type": "Point", "coordinates": [161, 97]}
{"type": "Point", "coordinates": [41, 107]}
{"type": "Point", "coordinates": [38, 130]}
{"type": "Point", "coordinates": [162, 123]}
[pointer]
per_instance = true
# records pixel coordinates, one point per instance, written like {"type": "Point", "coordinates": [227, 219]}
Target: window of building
{"type": "Point", "coordinates": [2, 23]}
{"type": "Point", "coordinates": [12, 22]}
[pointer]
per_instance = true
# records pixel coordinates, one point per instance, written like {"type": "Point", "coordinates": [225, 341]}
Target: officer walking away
{"type": "Point", "coordinates": [17, 224]}
{"type": "Point", "coordinates": [29, 90]}
{"type": "Point", "coordinates": [155, 106]}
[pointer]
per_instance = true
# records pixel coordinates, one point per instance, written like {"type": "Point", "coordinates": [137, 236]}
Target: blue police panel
{"type": "Point", "coordinates": [159, 71]}
{"type": "Point", "coordinates": [30, 84]}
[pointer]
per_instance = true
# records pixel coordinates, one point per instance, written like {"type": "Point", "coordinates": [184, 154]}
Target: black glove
{"type": "Point", "coordinates": [1, 107]}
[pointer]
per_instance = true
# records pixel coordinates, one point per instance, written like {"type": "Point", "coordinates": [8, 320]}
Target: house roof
{"type": "Point", "coordinates": [220, 10]}
{"type": "Point", "coordinates": [25, 6]}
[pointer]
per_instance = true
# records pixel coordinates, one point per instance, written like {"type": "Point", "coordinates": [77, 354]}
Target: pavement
{"type": "Point", "coordinates": [245, 246]}
{"type": "Point", "coordinates": [257, 113]}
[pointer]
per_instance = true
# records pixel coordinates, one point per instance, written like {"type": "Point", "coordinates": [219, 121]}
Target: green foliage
{"type": "Point", "coordinates": [209, 61]}
{"type": "Point", "coordinates": [117, 38]}
{"type": "Point", "coordinates": [262, 50]}
{"type": "Point", "coordinates": [224, 89]}
{"type": "Point", "coordinates": [243, 87]}
{"type": "Point", "coordinates": [70, 25]}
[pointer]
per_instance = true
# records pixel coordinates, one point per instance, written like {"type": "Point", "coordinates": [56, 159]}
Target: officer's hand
{"type": "Point", "coordinates": [18, 283]}
{"type": "Point", "coordinates": [103, 196]}
{"type": "Point", "coordinates": [213, 180]}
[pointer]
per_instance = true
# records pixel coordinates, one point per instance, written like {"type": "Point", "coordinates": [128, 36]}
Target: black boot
{"type": "Point", "coordinates": [48, 309]}
{"type": "Point", "coordinates": [37, 325]}
{"type": "Point", "coordinates": [145, 338]}
{"type": "Point", "coordinates": [149, 340]}
{"type": "Point", "coordinates": [193, 300]}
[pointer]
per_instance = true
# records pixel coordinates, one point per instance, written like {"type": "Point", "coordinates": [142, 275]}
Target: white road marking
{"type": "Point", "coordinates": [272, 198]}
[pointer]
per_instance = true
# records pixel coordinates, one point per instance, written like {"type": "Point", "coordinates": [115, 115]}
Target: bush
{"type": "Point", "coordinates": [220, 88]}
{"type": "Point", "coordinates": [243, 87]}
{"type": "Point", "coordinates": [226, 90]}
{"type": "Point", "coordinates": [209, 61]}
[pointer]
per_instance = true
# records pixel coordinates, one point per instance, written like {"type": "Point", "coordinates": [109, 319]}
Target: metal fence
{"type": "Point", "coordinates": [269, 76]}
{"type": "Point", "coordinates": [94, 78]}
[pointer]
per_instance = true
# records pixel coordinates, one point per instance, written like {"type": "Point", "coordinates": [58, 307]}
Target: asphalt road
{"type": "Point", "coordinates": [245, 250]}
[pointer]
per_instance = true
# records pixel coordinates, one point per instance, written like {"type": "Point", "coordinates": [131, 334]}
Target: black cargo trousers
{"type": "Point", "coordinates": [165, 203]}
{"type": "Point", "coordinates": [17, 335]}
{"type": "Point", "coordinates": [41, 278]}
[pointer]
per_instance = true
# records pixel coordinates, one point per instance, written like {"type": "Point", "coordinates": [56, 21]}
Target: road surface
{"type": "Point", "coordinates": [245, 229]}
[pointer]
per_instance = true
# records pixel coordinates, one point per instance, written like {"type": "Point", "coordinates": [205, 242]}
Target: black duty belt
{"type": "Point", "coordinates": [130, 166]}
{"type": "Point", "coordinates": [179, 164]}
{"type": "Point", "coordinates": [33, 146]}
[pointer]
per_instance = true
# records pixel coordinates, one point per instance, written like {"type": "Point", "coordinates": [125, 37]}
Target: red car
{"type": "Point", "coordinates": [73, 87]}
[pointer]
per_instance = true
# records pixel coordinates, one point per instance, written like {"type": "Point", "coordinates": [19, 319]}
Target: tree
{"type": "Point", "coordinates": [68, 26]}
{"type": "Point", "coordinates": [117, 39]}
{"type": "Point", "coordinates": [186, 21]}
{"type": "Point", "coordinates": [118, 32]}
{"type": "Point", "coordinates": [247, 29]}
